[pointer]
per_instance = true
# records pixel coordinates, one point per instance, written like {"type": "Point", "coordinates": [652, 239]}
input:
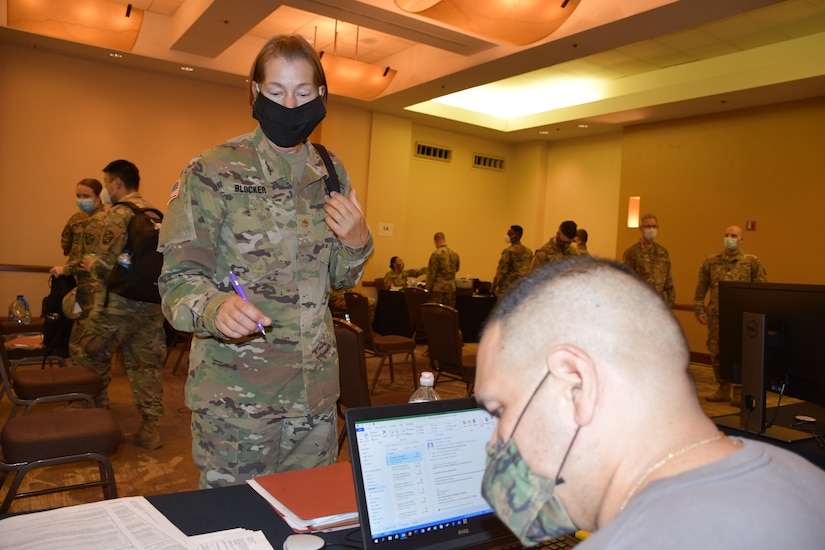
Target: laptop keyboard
{"type": "Point", "coordinates": [560, 543]}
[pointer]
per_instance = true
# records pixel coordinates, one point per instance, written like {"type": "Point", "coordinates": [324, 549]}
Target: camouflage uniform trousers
{"type": "Point", "coordinates": [446, 298]}
{"type": "Point", "coordinates": [136, 328]}
{"type": "Point", "coordinates": [713, 345]}
{"type": "Point", "coordinates": [228, 451]}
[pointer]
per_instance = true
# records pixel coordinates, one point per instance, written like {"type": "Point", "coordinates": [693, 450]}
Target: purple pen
{"type": "Point", "coordinates": [239, 289]}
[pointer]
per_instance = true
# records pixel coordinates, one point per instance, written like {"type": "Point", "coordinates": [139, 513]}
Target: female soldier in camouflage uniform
{"type": "Point", "coordinates": [257, 207]}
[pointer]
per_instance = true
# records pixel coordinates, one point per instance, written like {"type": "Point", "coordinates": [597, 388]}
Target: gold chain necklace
{"type": "Point", "coordinates": [662, 462]}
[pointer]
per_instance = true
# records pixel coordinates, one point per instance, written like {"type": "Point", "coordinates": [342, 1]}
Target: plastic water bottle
{"type": "Point", "coordinates": [19, 311]}
{"type": "Point", "coordinates": [125, 259]}
{"type": "Point", "coordinates": [425, 391]}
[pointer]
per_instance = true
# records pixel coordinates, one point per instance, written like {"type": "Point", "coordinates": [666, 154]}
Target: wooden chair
{"type": "Point", "coordinates": [379, 345]}
{"type": "Point", "coordinates": [352, 371]}
{"type": "Point", "coordinates": [414, 298]}
{"type": "Point", "coordinates": [445, 345]}
{"type": "Point", "coordinates": [36, 441]}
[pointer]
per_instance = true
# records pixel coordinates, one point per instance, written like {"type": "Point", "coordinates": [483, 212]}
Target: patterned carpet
{"type": "Point", "coordinates": [170, 468]}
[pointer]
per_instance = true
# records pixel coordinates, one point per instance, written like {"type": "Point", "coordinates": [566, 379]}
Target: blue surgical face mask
{"type": "Point", "coordinates": [86, 205]}
{"type": "Point", "coordinates": [731, 244]}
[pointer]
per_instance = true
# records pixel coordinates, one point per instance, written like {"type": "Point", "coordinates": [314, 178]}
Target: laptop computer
{"type": "Point", "coordinates": [417, 469]}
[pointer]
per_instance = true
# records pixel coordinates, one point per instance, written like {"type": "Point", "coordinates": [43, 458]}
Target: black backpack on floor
{"type": "Point", "coordinates": [57, 327]}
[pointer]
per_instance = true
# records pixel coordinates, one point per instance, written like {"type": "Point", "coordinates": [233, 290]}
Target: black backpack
{"type": "Point", "coordinates": [56, 326]}
{"type": "Point", "coordinates": [140, 281]}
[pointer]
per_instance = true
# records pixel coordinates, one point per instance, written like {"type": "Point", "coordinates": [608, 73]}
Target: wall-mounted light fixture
{"type": "Point", "coordinates": [96, 22]}
{"type": "Point", "coordinates": [633, 211]}
{"type": "Point", "coordinates": [521, 22]}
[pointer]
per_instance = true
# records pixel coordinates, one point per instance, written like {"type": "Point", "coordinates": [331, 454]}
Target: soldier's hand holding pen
{"type": "Point", "coordinates": [237, 318]}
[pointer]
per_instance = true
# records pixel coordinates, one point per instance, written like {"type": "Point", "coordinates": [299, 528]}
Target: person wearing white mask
{"type": "Point", "coordinates": [650, 259]}
{"type": "Point", "coordinates": [732, 264]}
{"type": "Point", "coordinates": [514, 262]}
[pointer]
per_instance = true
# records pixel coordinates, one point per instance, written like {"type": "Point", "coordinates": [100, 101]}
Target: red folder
{"type": "Point", "coordinates": [320, 498]}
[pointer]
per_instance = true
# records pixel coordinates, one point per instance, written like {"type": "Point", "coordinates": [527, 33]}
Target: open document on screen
{"type": "Point", "coordinates": [423, 472]}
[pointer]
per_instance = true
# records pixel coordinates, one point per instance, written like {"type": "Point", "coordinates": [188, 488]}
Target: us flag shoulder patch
{"type": "Point", "coordinates": [175, 190]}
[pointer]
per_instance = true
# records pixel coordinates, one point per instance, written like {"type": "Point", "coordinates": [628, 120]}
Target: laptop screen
{"type": "Point", "coordinates": [417, 469]}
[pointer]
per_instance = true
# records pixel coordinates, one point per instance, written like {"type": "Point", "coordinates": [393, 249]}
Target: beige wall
{"type": "Point", "coordinates": [702, 174]}
{"type": "Point", "coordinates": [63, 119]}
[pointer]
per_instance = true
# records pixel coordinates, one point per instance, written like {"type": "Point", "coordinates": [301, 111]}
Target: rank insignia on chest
{"type": "Point", "coordinates": [304, 223]}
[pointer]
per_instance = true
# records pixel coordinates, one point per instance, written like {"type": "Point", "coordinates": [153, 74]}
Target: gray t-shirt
{"type": "Point", "coordinates": [759, 497]}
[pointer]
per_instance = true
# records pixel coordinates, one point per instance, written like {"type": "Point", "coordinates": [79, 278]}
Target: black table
{"type": "Point", "coordinates": [811, 449]}
{"type": "Point", "coordinates": [210, 510]}
{"type": "Point", "coordinates": [391, 316]}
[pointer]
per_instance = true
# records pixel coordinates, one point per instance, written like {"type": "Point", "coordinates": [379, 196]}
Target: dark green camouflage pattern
{"type": "Point", "coordinates": [514, 263]}
{"type": "Point", "coordinates": [721, 267]}
{"type": "Point", "coordinates": [238, 209]}
{"type": "Point", "coordinates": [652, 263]}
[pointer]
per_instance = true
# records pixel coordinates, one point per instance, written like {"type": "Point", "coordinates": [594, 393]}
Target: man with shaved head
{"type": "Point", "coordinates": [600, 429]}
{"type": "Point", "coordinates": [732, 264]}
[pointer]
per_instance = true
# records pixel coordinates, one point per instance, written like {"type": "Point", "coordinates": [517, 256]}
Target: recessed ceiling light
{"type": "Point", "coordinates": [543, 132]}
{"type": "Point", "coordinates": [584, 126]}
{"type": "Point", "coordinates": [187, 68]}
{"type": "Point", "coordinates": [115, 55]}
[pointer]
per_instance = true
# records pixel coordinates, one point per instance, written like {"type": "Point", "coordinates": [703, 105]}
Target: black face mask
{"type": "Point", "coordinates": [287, 127]}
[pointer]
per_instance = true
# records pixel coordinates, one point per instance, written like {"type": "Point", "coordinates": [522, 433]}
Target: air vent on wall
{"type": "Point", "coordinates": [491, 163]}
{"type": "Point", "coordinates": [433, 152]}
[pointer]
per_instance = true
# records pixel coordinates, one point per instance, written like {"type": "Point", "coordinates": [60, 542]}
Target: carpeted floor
{"type": "Point", "coordinates": [170, 469]}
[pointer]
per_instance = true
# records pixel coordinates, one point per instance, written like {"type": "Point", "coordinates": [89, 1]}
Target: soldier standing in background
{"type": "Point", "coordinates": [558, 247]}
{"type": "Point", "coordinates": [732, 264]}
{"type": "Point", "coordinates": [443, 265]}
{"type": "Point", "coordinates": [115, 321]}
{"type": "Point", "coordinates": [514, 262]}
{"type": "Point", "coordinates": [650, 260]}
{"type": "Point", "coordinates": [84, 244]}
{"type": "Point", "coordinates": [257, 207]}
{"type": "Point", "coordinates": [581, 242]}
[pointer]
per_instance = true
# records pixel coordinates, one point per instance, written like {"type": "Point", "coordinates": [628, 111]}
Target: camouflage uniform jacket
{"type": "Point", "coordinates": [721, 267]}
{"type": "Point", "coordinates": [514, 263]}
{"type": "Point", "coordinates": [88, 243]}
{"type": "Point", "coordinates": [552, 252]}
{"type": "Point", "coordinates": [652, 263]}
{"type": "Point", "coordinates": [70, 236]}
{"type": "Point", "coordinates": [236, 210]}
{"type": "Point", "coordinates": [443, 265]}
{"type": "Point", "coordinates": [393, 279]}
{"type": "Point", "coordinates": [113, 237]}
{"type": "Point", "coordinates": [89, 230]}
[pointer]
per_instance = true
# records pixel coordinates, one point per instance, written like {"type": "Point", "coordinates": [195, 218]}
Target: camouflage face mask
{"type": "Point", "coordinates": [522, 499]}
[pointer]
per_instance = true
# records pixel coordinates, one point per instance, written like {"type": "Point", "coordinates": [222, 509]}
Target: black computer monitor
{"type": "Point", "coordinates": [783, 328]}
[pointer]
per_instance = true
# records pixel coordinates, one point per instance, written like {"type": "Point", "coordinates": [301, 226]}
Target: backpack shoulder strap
{"type": "Point", "coordinates": [131, 205]}
{"type": "Point", "coordinates": [332, 182]}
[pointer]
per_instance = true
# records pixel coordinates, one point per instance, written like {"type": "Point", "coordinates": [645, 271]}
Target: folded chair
{"type": "Point", "coordinates": [352, 372]}
{"type": "Point", "coordinates": [445, 345]}
{"type": "Point", "coordinates": [36, 441]}
{"type": "Point", "coordinates": [383, 346]}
